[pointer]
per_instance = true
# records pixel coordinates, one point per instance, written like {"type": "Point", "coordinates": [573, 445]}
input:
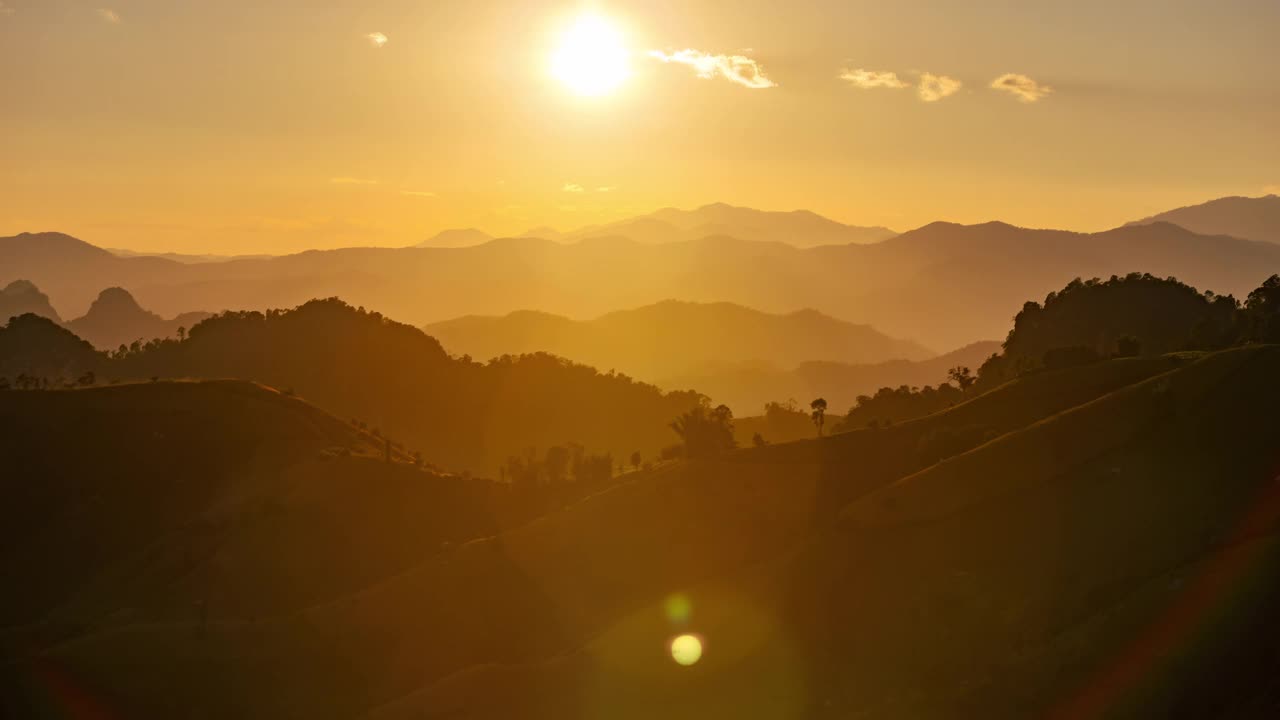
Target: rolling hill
{"type": "Point", "coordinates": [1072, 563]}
{"type": "Point", "coordinates": [675, 339]}
{"type": "Point", "coordinates": [934, 284]}
{"type": "Point", "coordinates": [464, 415]}
{"type": "Point", "coordinates": [1242, 217]}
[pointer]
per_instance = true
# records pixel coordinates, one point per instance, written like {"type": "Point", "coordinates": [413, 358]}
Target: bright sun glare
{"type": "Point", "coordinates": [591, 59]}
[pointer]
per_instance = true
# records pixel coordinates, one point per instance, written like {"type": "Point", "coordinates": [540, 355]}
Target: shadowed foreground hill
{"type": "Point", "coordinates": [360, 365]}
{"type": "Point", "coordinates": [1106, 543]}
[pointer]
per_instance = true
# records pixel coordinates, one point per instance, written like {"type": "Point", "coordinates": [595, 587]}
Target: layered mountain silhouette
{"type": "Point", "coordinates": [21, 297]}
{"type": "Point", "coordinates": [1242, 217]}
{"type": "Point", "coordinates": [944, 285]}
{"type": "Point", "coordinates": [674, 339]}
{"type": "Point", "coordinates": [115, 319]}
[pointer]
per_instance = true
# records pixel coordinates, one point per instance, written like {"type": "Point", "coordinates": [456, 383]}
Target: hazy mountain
{"type": "Point", "coordinates": [115, 319]}
{"type": "Point", "coordinates": [676, 339]}
{"type": "Point", "coordinates": [185, 258]}
{"type": "Point", "coordinates": [184, 533]}
{"type": "Point", "coordinates": [748, 388]}
{"type": "Point", "coordinates": [942, 285]}
{"type": "Point", "coordinates": [799, 228]}
{"type": "Point", "coordinates": [1242, 217]}
{"type": "Point", "coordinates": [21, 297]}
{"type": "Point", "coordinates": [456, 239]}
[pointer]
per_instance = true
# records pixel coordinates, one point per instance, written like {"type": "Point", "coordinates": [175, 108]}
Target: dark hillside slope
{"type": "Point", "coordinates": [1099, 481]}
{"type": "Point", "coordinates": [1127, 566]}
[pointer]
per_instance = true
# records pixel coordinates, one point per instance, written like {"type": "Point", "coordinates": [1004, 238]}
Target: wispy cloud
{"type": "Point", "coordinates": [573, 188]}
{"type": "Point", "coordinates": [870, 79]}
{"type": "Point", "coordinates": [109, 15]}
{"type": "Point", "coordinates": [418, 193]}
{"type": "Point", "coordinates": [352, 181]}
{"type": "Point", "coordinates": [737, 69]}
{"type": "Point", "coordinates": [376, 39]}
{"type": "Point", "coordinates": [605, 189]}
{"type": "Point", "coordinates": [933, 88]}
{"type": "Point", "coordinates": [1021, 86]}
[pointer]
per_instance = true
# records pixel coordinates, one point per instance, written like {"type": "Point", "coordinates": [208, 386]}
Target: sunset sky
{"type": "Point", "coordinates": [279, 125]}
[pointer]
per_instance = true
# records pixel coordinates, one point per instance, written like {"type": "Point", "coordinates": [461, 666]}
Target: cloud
{"type": "Point", "coordinates": [109, 15]}
{"type": "Point", "coordinates": [933, 88]}
{"type": "Point", "coordinates": [1026, 89]}
{"type": "Point", "coordinates": [607, 188]}
{"type": "Point", "coordinates": [573, 188]}
{"type": "Point", "coordinates": [418, 193]}
{"type": "Point", "coordinates": [5, 9]}
{"type": "Point", "coordinates": [1271, 190]}
{"type": "Point", "coordinates": [377, 39]}
{"type": "Point", "coordinates": [869, 79]}
{"type": "Point", "coordinates": [352, 181]}
{"type": "Point", "coordinates": [736, 69]}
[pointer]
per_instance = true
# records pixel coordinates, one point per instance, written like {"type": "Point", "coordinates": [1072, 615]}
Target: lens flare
{"type": "Point", "coordinates": [686, 650]}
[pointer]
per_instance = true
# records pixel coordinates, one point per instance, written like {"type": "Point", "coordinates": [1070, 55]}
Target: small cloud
{"type": "Point", "coordinates": [1026, 89]}
{"type": "Point", "coordinates": [933, 88]}
{"type": "Point", "coordinates": [418, 193]}
{"type": "Point", "coordinates": [376, 39]}
{"type": "Point", "coordinates": [737, 69]}
{"type": "Point", "coordinates": [352, 181]}
{"type": "Point", "coordinates": [573, 188]}
{"type": "Point", "coordinates": [607, 188]}
{"type": "Point", "coordinates": [870, 79]}
{"type": "Point", "coordinates": [109, 15]}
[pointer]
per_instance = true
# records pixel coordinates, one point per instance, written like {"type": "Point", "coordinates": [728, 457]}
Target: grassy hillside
{"type": "Point", "coordinates": [859, 575]}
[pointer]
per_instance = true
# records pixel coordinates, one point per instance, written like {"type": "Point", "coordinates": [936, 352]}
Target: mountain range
{"type": "Point", "coordinates": [943, 285]}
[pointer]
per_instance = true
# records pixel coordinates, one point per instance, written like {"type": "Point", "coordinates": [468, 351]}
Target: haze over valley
{"type": "Point", "coordinates": [626, 360]}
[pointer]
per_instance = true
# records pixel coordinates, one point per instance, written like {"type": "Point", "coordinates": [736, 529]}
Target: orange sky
{"type": "Point", "coordinates": [266, 127]}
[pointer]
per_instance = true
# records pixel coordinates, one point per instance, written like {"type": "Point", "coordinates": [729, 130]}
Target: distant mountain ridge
{"type": "Point", "coordinates": [800, 228]}
{"type": "Point", "coordinates": [675, 338]}
{"type": "Point", "coordinates": [943, 285]}
{"type": "Point", "coordinates": [1243, 217]}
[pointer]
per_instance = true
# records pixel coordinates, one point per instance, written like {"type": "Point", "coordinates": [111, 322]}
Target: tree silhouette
{"type": "Point", "coordinates": [962, 377]}
{"type": "Point", "coordinates": [705, 432]}
{"type": "Point", "coordinates": [819, 414]}
{"type": "Point", "coordinates": [758, 440]}
{"type": "Point", "coordinates": [636, 459]}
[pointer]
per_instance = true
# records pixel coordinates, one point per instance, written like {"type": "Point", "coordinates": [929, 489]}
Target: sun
{"type": "Point", "coordinates": [592, 59]}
